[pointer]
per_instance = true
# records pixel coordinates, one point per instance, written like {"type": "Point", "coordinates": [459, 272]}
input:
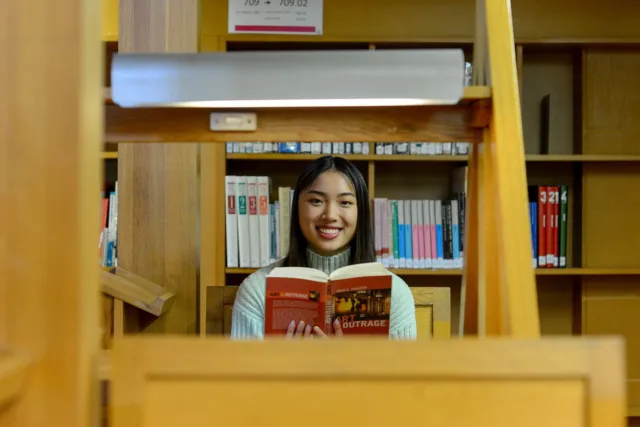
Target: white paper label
{"type": "Point", "coordinates": [276, 17]}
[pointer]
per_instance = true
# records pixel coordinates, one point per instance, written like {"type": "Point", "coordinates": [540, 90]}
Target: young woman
{"type": "Point", "coordinates": [330, 228]}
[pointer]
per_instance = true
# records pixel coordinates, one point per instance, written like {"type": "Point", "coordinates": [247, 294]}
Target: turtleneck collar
{"type": "Point", "coordinates": [328, 264]}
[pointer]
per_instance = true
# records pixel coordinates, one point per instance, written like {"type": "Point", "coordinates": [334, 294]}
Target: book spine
{"type": "Point", "coordinates": [564, 209]}
{"type": "Point", "coordinates": [243, 223]}
{"type": "Point", "coordinates": [401, 234]}
{"type": "Point", "coordinates": [415, 235]}
{"type": "Point", "coordinates": [284, 196]}
{"type": "Point", "coordinates": [263, 213]}
{"type": "Point", "coordinates": [556, 216]}
{"type": "Point", "coordinates": [396, 249]}
{"type": "Point", "coordinates": [549, 225]}
{"type": "Point", "coordinates": [457, 261]}
{"type": "Point", "coordinates": [533, 213]}
{"type": "Point", "coordinates": [407, 233]}
{"type": "Point", "coordinates": [428, 256]}
{"type": "Point", "coordinates": [434, 240]}
{"type": "Point", "coordinates": [542, 226]}
{"type": "Point", "coordinates": [254, 222]}
{"type": "Point", "coordinates": [439, 236]}
{"type": "Point", "coordinates": [384, 232]}
{"type": "Point", "coordinates": [389, 231]}
{"type": "Point", "coordinates": [272, 233]}
{"type": "Point", "coordinates": [278, 231]}
{"type": "Point", "coordinates": [231, 221]}
{"type": "Point", "coordinates": [421, 240]}
{"type": "Point", "coordinates": [329, 309]}
{"type": "Point", "coordinates": [378, 229]}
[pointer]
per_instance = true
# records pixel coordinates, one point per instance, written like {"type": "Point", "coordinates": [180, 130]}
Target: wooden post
{"type": "Point", "coordinates": [158, 183]}
{"type": "Point", "coordinates": [51, 124]}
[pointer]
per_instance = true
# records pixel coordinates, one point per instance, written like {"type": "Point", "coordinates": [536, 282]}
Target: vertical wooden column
{"type": "Point", "coordinates": [50, 139]}
{"type": "Point", "coordinates": [158, 183]}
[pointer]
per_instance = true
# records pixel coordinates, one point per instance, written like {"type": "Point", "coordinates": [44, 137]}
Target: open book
{"type": "Point", "coordinates": [360, 295]}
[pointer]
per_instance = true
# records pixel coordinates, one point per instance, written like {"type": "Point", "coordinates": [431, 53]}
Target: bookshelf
{"type": "Point", "coordinates": [594, 154]}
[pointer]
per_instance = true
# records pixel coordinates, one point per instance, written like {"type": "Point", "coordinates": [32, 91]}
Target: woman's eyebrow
{"type": "Point", "coordinates": [323, 194]}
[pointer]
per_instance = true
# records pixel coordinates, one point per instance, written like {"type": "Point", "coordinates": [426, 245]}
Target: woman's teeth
{"type": "Point", "coordinates": [332, 231]}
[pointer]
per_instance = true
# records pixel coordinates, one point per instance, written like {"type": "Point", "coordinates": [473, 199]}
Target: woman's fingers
{"type": "Point", "coordinates": [300, 328]}
{"type": "Point", "coordinates": [337, 328]}
{"type": "Point", "coordinates": [318, 332]}
{"type": "Point", "coordinates": [291, 329]}
{"type": "Point", "coordinates": [307, 331]}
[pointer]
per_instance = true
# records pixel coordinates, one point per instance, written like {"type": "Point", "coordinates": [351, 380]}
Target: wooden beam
{"type": "Point", "coordinates": [435, 124]}
{"type": "Point", "coordinates": [158, 205]}
{"type": "Point", "coordinates": [505, 145]}
{"type": "Point", "coordinates": [137, 291]}
{"type": "Point", "coordinates": [50, 166]}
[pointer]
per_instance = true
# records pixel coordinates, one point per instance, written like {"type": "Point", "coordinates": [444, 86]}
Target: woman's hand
{"type": "Point", "coordinates": [301, 330]}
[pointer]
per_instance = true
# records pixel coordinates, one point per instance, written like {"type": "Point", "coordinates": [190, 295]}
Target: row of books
{"type": "Point", "coordinates": [107, 244]}
{"type": "Point", "coordinates": [346, 148]}
{"type": "Point", "coordinates": [548, 209]}
{"type": "Point", "coordinates": [256, 228]}
{"type": "Point", "coordinates": [420, 233]}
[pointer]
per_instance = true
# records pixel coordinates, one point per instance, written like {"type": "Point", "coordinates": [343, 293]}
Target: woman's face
{"type": "Point", "coordinates": [328, 213]}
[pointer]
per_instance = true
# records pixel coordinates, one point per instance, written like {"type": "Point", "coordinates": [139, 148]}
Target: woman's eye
{"type": "Point", "coordinates": [346, 203]}
{"type": "Point", "coordinates": [315, 201]}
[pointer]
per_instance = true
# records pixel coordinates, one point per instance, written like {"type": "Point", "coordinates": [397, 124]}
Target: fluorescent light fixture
{"type": "Point", "coordinates": [289, 79]}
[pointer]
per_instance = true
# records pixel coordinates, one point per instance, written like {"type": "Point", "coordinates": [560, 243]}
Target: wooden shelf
{"type": "Point", "coordinates": [109, 155]}
{"type": "Point", "coordinates": [539, 272]}
{"type": "Point", "coordinates": [568, 158]}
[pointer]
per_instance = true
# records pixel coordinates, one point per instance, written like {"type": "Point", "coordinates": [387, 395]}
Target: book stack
{"type": "Point", "coordinates": [422, 234]}
{"type": "Point", "coordinates": [422, 148]}
{"type": "Point", "coordinates": [257, 228]}
{"type": "Point", "coordinates": [339, 148]}
{"type": "Point", "coordinates": [548, 209]}
{"type": "Point", "coordinates": [108, 228]}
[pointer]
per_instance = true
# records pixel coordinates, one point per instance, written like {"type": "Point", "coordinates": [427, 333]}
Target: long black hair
{"type": "Point", "coordinates": [362, 243]}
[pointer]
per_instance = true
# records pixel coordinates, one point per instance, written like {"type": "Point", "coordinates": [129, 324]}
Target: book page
{"type": "Point", "coordinates": [363, 304]}
{"type": "Point", "coordinates": [360, 270]}
{"type": "Point", "coordinates": [297, 299]}
{"type": "Point", "coordinates": [304, 273]}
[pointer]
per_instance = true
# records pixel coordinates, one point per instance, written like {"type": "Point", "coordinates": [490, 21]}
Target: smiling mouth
{"type": "Point", "coordinates": [328, 233]}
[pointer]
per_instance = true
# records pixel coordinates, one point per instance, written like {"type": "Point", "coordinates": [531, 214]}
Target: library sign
{"type": "Point", "coordinates": [300, 17]}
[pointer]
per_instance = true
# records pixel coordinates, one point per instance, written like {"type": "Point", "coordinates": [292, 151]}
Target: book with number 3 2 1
{"type": "Point", "coordinates": [359, 295]}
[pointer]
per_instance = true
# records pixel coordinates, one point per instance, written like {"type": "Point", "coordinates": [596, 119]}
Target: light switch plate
{"type": "Point", "coordinates": [226, 122]}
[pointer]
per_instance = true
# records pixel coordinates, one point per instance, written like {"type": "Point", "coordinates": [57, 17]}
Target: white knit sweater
{"type": "Point", "coordinates": [248, 308]}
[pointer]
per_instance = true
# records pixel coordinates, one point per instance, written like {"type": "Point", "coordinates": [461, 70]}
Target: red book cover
{"type": "Point", "coordinates": [359, 295]}
{"type": "Point", "coordinates": [542, 226]}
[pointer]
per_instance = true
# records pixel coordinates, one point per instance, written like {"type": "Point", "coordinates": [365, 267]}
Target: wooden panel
{"type": "Point", "coordinates": [611, 306]}
{"type": "Point", "coordinates": [504, 150]}
{"type": "Point", "coordinates": [109, 20]}
{"type": "Point", "coordinates": [611, 101]}
{"type": "Point", "coordinates": [433, 312]}
{"type": "Point", "coordinates": [158, 184]}
{"type": "Point", "coordinates": [163, 382]}
{"type": "Point", "coordinates": [402, 20]}
{"type": "Point", "coordinates": [50, 172]}
{"type": "Point", "coordinates": [611, 200]}
{"type": "Point", "coordinates": [548, 73]}
{"type": "Point", "coordinates": [434, 124]}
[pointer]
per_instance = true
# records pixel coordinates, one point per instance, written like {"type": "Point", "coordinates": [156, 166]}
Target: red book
{"type": "Point", "coordinates": [359, 295]}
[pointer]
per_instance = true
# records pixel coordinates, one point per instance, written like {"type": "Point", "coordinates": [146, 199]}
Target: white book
{"type": "Point", "coordinates": [243, 223]}
{"type": "Point", "coordinates": [277, 236]}
{"type": "Point", "coordinates": [384, 232]}
{"type": "Point", "coordinates": [231, 221]}
{"type": "Point", "coordinates": [263, 217]}
{"type": "Point", "coordinates": [433, 231]}
{"type": "Point", "coordinates": [254, 221]}
{"type": "Point", "coordinates": [284, 196]}
{"type": "Point", "coordinates": [326, 148]}
{"type": "Point", "coordinates": [402, 261]}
